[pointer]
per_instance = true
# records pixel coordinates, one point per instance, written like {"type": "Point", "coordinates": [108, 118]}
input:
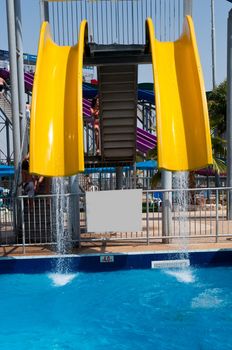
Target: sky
{"type": "Point", "coordinates": [201, 17]}
{"type": "Point", "coordinates": [202, 21]}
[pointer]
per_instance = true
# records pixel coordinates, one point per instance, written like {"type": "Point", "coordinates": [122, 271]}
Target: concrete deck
{"type": "Point", "coordinates": [110, 248]}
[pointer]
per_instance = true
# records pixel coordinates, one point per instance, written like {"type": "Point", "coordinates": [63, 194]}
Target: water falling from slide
{"type": "Point", "coordinates": [60, 225]}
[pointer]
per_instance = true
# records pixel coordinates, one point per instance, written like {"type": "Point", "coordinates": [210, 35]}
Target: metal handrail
{"type": "Point", "coordinates": [190, 189]}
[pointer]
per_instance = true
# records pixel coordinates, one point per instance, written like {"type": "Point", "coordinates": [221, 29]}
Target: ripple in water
{"type": "Point", "coordinates": [184, 276]}
{"type": "Point", "coordinates": [60, 279]}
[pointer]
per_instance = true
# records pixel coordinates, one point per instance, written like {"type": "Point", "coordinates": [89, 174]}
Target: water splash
{"type": "Point", "coordinates": [181, 182]}
{"type": "Point", "coordinates": [209, 299]}
{"type": "Point", "coordinates": [60, 279]}
{"type": "Point", "coordinates": [183, 275]}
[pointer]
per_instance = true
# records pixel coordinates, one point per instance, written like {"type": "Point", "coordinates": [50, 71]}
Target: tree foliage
{"type": "Point", "coordinates": [217, 100]}
{"type": "Point", "coordinates": [217, 108]}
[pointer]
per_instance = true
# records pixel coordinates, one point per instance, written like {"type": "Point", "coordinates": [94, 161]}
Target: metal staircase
{"type": "Point", "coordinates": [118, 112]}
{"type": "Point", "coordinates": [5, 107]}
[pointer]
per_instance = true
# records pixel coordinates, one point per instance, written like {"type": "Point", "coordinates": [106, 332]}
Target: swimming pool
{"type": "Point", "coordinates": [135, 309]}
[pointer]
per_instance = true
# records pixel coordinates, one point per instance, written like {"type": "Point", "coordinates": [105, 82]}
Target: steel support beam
{"type": "Point", "coordinates": [213, 44]}
{"type": "Point", "coordinates": [119, 178]}
{"type": "Point", "coordinates": [75, 207]}
{"type": "Point", "coordinates": [8, 160]}
{"type": "Point", "coordinates": [187, 7]}
{"type": "Point", "coordinates": [167, 205]}
{"type": "Point", "coordinates": [44, 11]}
{"type": "Point", "coordinates": [20, 67]}
{"type": "Point", "coordinates": [13, 79]}
{"type": "Point", "coordinates": [229, 113]}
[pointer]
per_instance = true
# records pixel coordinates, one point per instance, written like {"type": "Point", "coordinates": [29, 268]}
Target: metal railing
{"type": "Point", "coordinates": [115, 21]}
{"type": "Point", "coordinates": [204, 220]}
{"type": "Point", "coordinates": [7, 231]}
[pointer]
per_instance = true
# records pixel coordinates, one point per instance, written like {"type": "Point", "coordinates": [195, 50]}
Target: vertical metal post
{"type": "Point", "coordinates": [20, 67]}
{"type": "Point", "coordinates": [229, 114]}
{"type": "Point", "coordinates": [119, 178]}
{"type": "Point", "coordinates": [23, 224]}
{"type": "Point", "coordinates": [166, 205]}
{"type": "Point", "coordinates": [87, 138]}
{"type": "Point", "coordinates": [44, 11]}
{"type": "Point", "coordinates": [216, 215]}
{"type": "Point", "coordinates": [13, 79]}
{"type": "Point", "coordinates": [100, 181]}
{"type": "Point", "coordinates": [91, 26]}
{"type": "Point", "coordinates": [7, 142]}
{"type": "Point", "coordinates": [75, 207]}
{"type": "Point", "coordinates": [213, 45]}
{"type": "Point", "coordinates": [134, 174]}
{"type": "Point", "coordinates": [147, 217]}
{"type": "Point", "coordinates": [188, 7]}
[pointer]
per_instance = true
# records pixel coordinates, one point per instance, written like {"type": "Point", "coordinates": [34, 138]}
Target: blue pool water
{"type": "Point", "coordinates": [136, 309]}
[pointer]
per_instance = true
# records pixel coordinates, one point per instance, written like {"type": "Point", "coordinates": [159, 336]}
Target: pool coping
{"type": "Point", "coordinates": [56, 256]}
{"type": "Point", "coordinates": [99, 262]}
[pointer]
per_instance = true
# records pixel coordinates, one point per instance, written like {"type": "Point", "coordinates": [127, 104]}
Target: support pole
{"type": "Point", "coordinates": [166, 206]}
{"type": "Point", "coordinates": [44, 11]}
{"type": "Point", "coordinates": [75, 208]}
{"type": "Point", "coordinates": [188, 7]}
{"type": "Point", "coordinates": [13, 80]}
{"type": "Point", "coordinates": [7, 142]}
{"type": "Point", "coordinates": [119, 178]}
{"type": "Point", "coordinates": [229, 113]}
{"type": "Point", "coordinates": [20, 67]}
{"type": "Point", "coordinates": [134, 175]}
{"type": "Point", "coordinates": [213, 45]}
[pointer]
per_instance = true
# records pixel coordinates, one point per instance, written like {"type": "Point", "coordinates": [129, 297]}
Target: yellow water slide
{"type": "Point", "coordinates": [56, 130]}
{"type": "Point", "coordinates": [183, 132]}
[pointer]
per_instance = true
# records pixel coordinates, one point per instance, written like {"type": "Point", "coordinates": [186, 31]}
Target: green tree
{"type": "Point", "coordinates": [217, 116]}
{"type": "Point", "coordinates": [217, 108]}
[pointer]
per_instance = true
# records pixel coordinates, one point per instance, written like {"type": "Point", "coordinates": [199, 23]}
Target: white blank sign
{"type": "Point", "coordinates": [114, 211]}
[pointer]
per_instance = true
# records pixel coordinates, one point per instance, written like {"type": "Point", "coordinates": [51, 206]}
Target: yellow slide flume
{"type": "Point", "coordinates": [183, 131]}
{"type": "Point", "coordinates": [56, 129]}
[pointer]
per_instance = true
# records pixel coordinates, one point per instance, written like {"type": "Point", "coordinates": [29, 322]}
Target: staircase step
{"type": "Point", "coordinates": [112, 154]}
{"type": "Point", "coordinates": [116, 106]}
{"type": "Point", "coordinates": [111, 85]}
{"type": "Point", "coordinates": [108, 96]}
{"type": "Point", "coordinates": [118, 114]}
{"type": "Point", "coordinates": [115, 123]}
{"type": "Point", "coordinates": [118, 137]}
{"type": "Point", "coordinates": [118, 130]}
{"type": "Point", "coordinates": [117, 91]}
{"type": "Point", "coordinates": [118, 68]}
{"type": "Point", "coordinates": [117, 77]}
